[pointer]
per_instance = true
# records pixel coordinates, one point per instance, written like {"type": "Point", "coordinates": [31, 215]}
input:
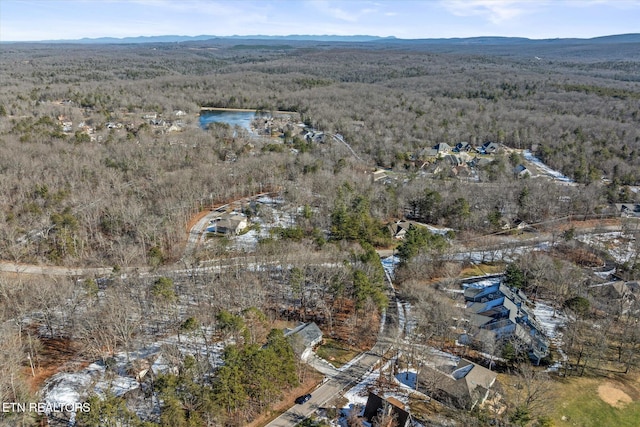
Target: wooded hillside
{"type": "Point", "coordinates": [104, 164]}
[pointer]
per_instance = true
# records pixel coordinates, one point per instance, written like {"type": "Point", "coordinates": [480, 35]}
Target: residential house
{"type": "Point", "coordinates": [462, 147]}
{"type": "Point", "coordinates": [479, 162]}
{"type": "Point", "coordinates": [453, 160]}
{"type": "Point", "coordinates": [520, 224]}
{"type": "Point", "coordinates": [391, 408]}
{"type": "Point", "coordinates": [442, 148]}
{"type": "Point", "coordinates": [489, 148]}
{"type": "Point", "coordinates": [229, 223]}
{"type": "Point", "coordinates": [625, 294]}
{"type": "Point", "coordinates": [464, 388]}
{"type": "Point", "coordinates": [315, 136]}
{"type": "Point", "coordinates": [463, 171]}
{"type": "Point", "coordinates": [504, 312]}
{"type": "Point", "coordinates": [521, 171]}
{"type": "Point", "coordinates": [437, 150]}
{"type": "Point", "coordinates": [112, 125]}
{"type": "Point", "coordinates": [304, 338]}
{"type": "Point", "coordinates": [629, 209]}
{"type": "Point", "coordinates": [399, 228]}
{"type": "Point", "coordinates": [176, 127]}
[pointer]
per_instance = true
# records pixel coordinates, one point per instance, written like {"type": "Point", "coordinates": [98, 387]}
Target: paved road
{"type": "Point", "coordinates": [50, 270]}
{"type": "Point", "coordinates": [197, 232]}
{"type": "Point", "coordinates": [332, 388]}
{"type": "Point", "coordinates": [360, 366]}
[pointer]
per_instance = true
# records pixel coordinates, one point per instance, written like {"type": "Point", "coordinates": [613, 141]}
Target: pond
{"type": "Point", "coordinates": [232, 118]}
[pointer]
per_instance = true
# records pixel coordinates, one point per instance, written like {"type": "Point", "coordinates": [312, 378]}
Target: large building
{"type": "Point", "coordinates": [505, 313]}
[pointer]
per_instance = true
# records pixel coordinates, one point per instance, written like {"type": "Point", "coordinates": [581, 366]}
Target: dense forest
{"type": "Point", "coordinates": [134, 188]}
{"type": "Point", "coordinates": [104, 164]}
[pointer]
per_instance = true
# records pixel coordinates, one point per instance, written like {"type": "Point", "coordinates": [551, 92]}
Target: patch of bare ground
{"type": "Point", "coordinates": [579, 256]}
{"type": "Point", "coordinates": [612, 395]}
{"type": "Point", "coordinates": [626, 384]}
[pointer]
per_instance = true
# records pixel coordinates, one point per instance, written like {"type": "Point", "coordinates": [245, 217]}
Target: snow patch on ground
{"type": "Point", "coordinates": [544, 168]}
{"type": "Point", "coordinates": [389, 264]}
{"type": "Point", "coordinates": [617, 244]}
{"type": "Point", "coordinates": [270, 215]}
{"type": "Point", "coordinates": [409, 378]}
{"type": "Point", "coordinates": [605, 274]}
{"type": "Point", "coordinates": [438, 230]}
{"type": "Point", "coordinates": [552, 321]}
{"type": "Point", "coordinates": [267, 200]}
{"type": "Point", "coordinates": [357, 395]}
{"type": "Point", "coordinates": [66, 388]}
{"type": "Point", "coordinates": [70, 388]}
{"type": "Point", "coordinates": [481, 284]}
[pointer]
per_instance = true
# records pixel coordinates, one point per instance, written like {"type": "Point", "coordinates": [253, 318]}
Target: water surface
{"type": "Point", "coordinates": [232, 118]}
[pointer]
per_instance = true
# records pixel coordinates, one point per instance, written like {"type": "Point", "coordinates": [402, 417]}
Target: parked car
{"type": "Point", "coordinates": [302, 399]}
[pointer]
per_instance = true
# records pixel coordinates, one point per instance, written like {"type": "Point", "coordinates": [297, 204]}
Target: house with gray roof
{"type": "Point", "coordinates": [304, 338]}
{"type": "Point", "coordinates": [521, 171]}
{"type": "Point", "coordinates": [462, 147]}
{"type": "Point", "coordinates": [629, 209]}
{"type": "Point", "coordinates": [464, 388]}
{"type": "Point", "coordinates": [478, 162]}
{"type": "Point", "coordinates": [505, 313]}
{"type": "Point", "coordinates": [399, 229]}
{"type": "Point", "coordinates": [489, 147]}
{"type": "Point", "coordinates": [229, 223]}
{"type": "Point", "coordinates": [435, 151]}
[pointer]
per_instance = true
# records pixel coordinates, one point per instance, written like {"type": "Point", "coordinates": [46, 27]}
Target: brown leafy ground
{"type": "Point", "coordinates": [312, 379]}
{"type": "Point", "coordinates": [55, 355]}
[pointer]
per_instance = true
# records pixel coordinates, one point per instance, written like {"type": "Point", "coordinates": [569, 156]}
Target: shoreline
{"type": "Point", "coordinates": [243, 110]}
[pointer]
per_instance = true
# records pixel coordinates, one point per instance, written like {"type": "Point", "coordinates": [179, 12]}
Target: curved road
{"type": "Point", "coordinates": [197, 232]}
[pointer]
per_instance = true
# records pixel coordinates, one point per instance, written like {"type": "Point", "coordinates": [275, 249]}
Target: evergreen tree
{"type": "Point", "coordinates": [514, 276]}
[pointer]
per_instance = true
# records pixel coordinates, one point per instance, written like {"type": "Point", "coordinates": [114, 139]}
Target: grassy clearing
{"type": "Point", "coordinates": [335, 352]}
{"type": "Point", "coordinates": [578, 404]}
{"type": "Point", "coordinates": [481, 270]}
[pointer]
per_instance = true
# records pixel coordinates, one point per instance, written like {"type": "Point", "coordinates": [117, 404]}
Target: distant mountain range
{"type": "Point", "coordinates": [621, 38]}
{"type": "Point", "coordinates": [178, 39]}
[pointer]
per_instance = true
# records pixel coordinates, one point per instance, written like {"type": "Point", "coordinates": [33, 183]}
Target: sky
{"type": "Point", "coordinates": [33, 20]}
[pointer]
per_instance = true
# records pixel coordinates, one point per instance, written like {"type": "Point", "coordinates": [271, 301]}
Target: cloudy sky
{"type": "Point", "coordinates": [28, 20]}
